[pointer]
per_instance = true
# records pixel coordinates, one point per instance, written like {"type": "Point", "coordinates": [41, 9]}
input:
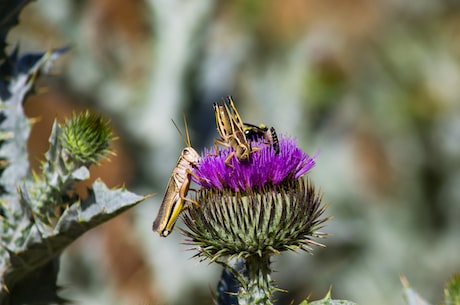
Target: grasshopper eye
{"type": "Point", "coordinates": [187, 152]}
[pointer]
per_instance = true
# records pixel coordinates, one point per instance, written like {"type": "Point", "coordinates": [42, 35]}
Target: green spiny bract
{"type": "Point", "coordinates": [257, 222]}
{"type": "Point", "coordinates": [86, 138]}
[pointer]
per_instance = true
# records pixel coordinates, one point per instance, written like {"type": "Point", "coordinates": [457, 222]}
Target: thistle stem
{"type": "Point", "coordinates": [259, 285]}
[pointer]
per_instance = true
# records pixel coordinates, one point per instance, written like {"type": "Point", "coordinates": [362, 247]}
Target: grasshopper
{"type": "Point", "coordinates": [254, 132]}
{"type": "Point", "coordinates": [231, 130]}
{"type": "Point", "coordinates": [177, 189]}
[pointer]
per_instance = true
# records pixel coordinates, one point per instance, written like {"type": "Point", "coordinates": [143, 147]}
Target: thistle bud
{"type": "Point", "coordinates": [86, 138]}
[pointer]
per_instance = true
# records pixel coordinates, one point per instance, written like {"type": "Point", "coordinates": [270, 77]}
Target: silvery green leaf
{"type": "Point", "coordinates": [14, 125]}
{"type": "Point", "coordinates": [41, 246]}
{"type": "Point", "coordinates": [328, 301]}
{"type": "Point", "coordinates": [81, 174]}
{"type": "Point", "coordinates": [101, 205]}
{"type": "Point", "coordinates": [53, 157]}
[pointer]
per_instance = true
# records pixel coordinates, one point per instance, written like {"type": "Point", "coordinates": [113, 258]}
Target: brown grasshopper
{"type": "Point", "coordinates": [254, 132]}
{"type": "Point", "coordinates": [231, 130]}
{"type": "Point", "coordinates": [177, 189]}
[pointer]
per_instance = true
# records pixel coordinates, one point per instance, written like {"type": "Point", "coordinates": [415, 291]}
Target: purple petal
{"type": "Point", "coordinates": [264, 167]}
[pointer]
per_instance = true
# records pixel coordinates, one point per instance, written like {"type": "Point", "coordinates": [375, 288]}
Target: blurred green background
{"type": "Point", "coordinates": [373, 85]}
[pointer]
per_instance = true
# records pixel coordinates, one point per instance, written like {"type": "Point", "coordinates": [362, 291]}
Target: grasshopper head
{"type": "Point", "coordinates": [190, 155]}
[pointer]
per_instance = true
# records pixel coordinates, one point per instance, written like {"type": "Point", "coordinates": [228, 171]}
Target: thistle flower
{"type": "Point", "coordinates": [251, 210]}
{"type": "Point", "coordinates": [265, 167]}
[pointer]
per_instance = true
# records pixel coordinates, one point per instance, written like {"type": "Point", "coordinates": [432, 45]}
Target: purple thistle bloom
{"type": "Point", "coordinates": [250, 210]}
{"type": "Point", "coordinates": [263, 168]}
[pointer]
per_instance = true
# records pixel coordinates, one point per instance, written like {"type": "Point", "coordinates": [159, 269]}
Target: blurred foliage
{"type": "Point", "coordinates": [452, 291]}
{"type": "Point", "coordinates": [9, 15]}
{"type": "Point", "coordinates": [373, 85]}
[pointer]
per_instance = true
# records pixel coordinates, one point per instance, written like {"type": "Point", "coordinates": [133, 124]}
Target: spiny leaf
{"type": "Point", "coordinates": [14, 125]}
{"type": "Point", "coordinates": [328, 301]}
{"type": "Point", "coordinates": [40, 247]}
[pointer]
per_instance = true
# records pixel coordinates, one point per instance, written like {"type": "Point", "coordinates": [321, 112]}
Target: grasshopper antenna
{"type": "Point", "coordinates": [186, 138]}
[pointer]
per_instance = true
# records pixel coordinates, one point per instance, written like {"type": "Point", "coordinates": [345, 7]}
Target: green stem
{"type": "Point", "coordinates": [258, 285]}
